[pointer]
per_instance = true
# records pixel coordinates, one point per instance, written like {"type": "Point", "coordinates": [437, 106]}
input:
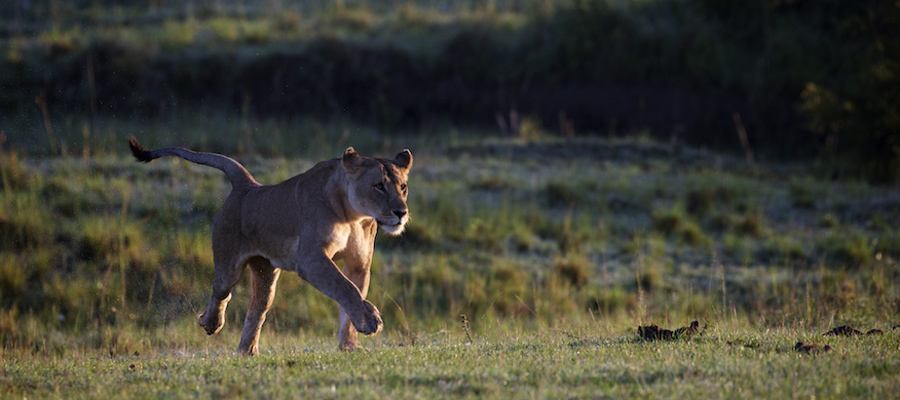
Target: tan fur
{"type": "Point", "coordinates": [303, 224]}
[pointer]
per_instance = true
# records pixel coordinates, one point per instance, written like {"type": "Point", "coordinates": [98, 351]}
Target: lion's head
{"type": "Point", "coordinates": [378, 188]}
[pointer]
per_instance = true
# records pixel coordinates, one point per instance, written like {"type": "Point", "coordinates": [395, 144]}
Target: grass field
{"type": "Point", "coordinates": [535, 250]}
{"type": "Point", "coordinates": [555, 250]}
{"type": "Point", "coordinates": [509, 361]}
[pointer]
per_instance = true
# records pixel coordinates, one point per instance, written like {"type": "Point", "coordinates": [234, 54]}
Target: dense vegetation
{"type": "Point", "coordinates": [552, 250]}
{"type": "Point", "coordinates": [809, 79]}
{"type": "Point", "coordinates": [534, 230]}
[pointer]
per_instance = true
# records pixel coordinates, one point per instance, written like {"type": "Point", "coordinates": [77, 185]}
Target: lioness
{"type": "Point", "coordinates": [303, 224]}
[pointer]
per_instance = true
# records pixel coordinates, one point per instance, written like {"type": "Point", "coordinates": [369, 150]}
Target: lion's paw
{"type": "Point", "coordinates": [348, 346]}
{"type": "Point", "coordinates": [371, 321]}
{"type": "Point", "coordinates": [212, 324]}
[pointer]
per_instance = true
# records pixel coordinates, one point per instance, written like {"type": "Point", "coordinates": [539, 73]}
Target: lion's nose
{"type": "Point", "coordinates": [400, 213]}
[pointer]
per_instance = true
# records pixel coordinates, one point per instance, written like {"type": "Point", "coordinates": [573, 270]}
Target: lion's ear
{"type": "Point", "coordinates": [351, 160]}
{"type": "Point", "coordinates": [404, 159]}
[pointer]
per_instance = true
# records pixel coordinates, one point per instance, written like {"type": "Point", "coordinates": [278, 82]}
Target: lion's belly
{"type": "Point", "coordinates": [282, 253]}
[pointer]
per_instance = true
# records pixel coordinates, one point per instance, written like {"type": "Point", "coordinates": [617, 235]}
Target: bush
{"type": "Point", "coordinates": [804, 193]}
{"type": "Point", "coordinates": [575, 270]}
{"type": "Point", "coordinates": [562, 194]}
{"type": "Point", "coordinates": [13, 175]}
{"type": "Point", "coordinates": [12, 279]}
{"type": "Point", "coordinates": [609, 301]}
{"type": "Point", "coordinates": [851, 249]}
{"type": "Point", "coordinates": [752, 223]}
{"type": "Point", "coordinates": [23, 221]}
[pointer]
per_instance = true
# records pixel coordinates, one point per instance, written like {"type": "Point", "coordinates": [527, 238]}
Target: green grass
{"type": "Point", "coordinates": [555, 251]}
{"type": "Point", "coordinates": [552, 248]}
{"type": "Point", "coordinates": [503, 361]}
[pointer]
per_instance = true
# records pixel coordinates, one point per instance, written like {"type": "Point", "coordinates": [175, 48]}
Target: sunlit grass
{"type": "Point", "coordinates": [108, 261]}
{"type": "Point", "coordinates": [580, 359]}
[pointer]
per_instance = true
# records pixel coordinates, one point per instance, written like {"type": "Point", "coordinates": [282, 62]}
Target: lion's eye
{"type": "Point", "coordinates": [379, 186]}
{"type": "Point", "coordinates": [403, 188]}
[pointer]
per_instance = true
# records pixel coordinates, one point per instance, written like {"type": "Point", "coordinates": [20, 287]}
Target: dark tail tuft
{"type": "Point", "coordinates": [138, 150]}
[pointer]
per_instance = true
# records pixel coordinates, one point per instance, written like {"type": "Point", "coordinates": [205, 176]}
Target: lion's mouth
{"type": "Point", "coordinates": [394, 228]}
{"type": "Point", "coordinates": [390, 225]}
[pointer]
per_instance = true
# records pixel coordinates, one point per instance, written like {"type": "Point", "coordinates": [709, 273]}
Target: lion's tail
{"type": "Point", "coordinates": [236, 173]}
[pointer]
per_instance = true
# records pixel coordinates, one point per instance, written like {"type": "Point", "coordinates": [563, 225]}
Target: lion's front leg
{"type": "Point", "coordinates": [347, 337]}
{"type": "Point", "coordinates": [323, 274]}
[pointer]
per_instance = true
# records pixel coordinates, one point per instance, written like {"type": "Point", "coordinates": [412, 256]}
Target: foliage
{"type": "Point", "coordinates": [802, 78]}
{"type": "Point", "coordinates": [489, 238]}
{"type": "Point", "coordinates": [102, 257]}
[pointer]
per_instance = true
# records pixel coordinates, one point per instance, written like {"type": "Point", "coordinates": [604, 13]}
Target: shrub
{"type": "Point", "coordinates": [12, 278]}
{"type": "Point", "coordinates": [668, 221]}
{"type": "Point", "coordinates": [508, 284]}
{"type": "Point", "coordinates": [804, 193]}
{"type": "Point", "coordinates": [692, 234]}
{"type": "Point", "coordinates": [850, 249]}
{"type": "Point", "coordinates": [752, 223]}
{"type": "Point", "coordinates": [785, 248]}
{"type": "Point", "coordinates": [490, 183]}
{"type": "Point", "coordinates": [650, 278]}
{"type": "Point", "coordinates": [13, 174]}
{"type": "Point", "coordinates": [829, 220]}
{"type": "Point", "coordinates": [738, 248]}
{"type": "Point", "coordinates": [193, 250]}
{"type": "Point", "coordinates": [23, 221]}
{"type": "Point", "coordinates": [562, 194]}
{"type": "Point", "coordinates": [609, 300]}
{"type": "Point", "coordinates": [673, 222]}
{"type": "Point", "coordinates": [575, 270]}
{"type": "Point", "coordinates": [889, 244]}
{"type": "Point", "coordinates": [699, 201]}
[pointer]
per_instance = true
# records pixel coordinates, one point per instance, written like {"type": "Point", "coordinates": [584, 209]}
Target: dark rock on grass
{"type": "Point", "coordinates": [653, 332]}
{"type": "Point", "coordinates": [844, 330]}
{"type": "Point", "coordinates": [809, 348]}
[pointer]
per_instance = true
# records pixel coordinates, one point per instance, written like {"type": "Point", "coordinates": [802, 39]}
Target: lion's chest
{"type": "Point", "coordinates": [336, 240]}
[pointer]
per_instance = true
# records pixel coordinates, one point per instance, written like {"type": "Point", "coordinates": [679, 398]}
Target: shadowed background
{"type": "Point", "coordinates": [815, 80]}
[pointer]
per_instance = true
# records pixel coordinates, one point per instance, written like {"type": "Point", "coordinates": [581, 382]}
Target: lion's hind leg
{"type": "Point", "coordinates": [263, 279]}
{"type": "Point", "coordinates": [347, 337]}
{"type": "Point", "coordinates": [357, 262]}
{"type": "Point", "coordinates": [227, 275]}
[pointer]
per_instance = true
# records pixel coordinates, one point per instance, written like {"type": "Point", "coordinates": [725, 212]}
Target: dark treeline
{"type": "Point", "coordinates": [813, 79]}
